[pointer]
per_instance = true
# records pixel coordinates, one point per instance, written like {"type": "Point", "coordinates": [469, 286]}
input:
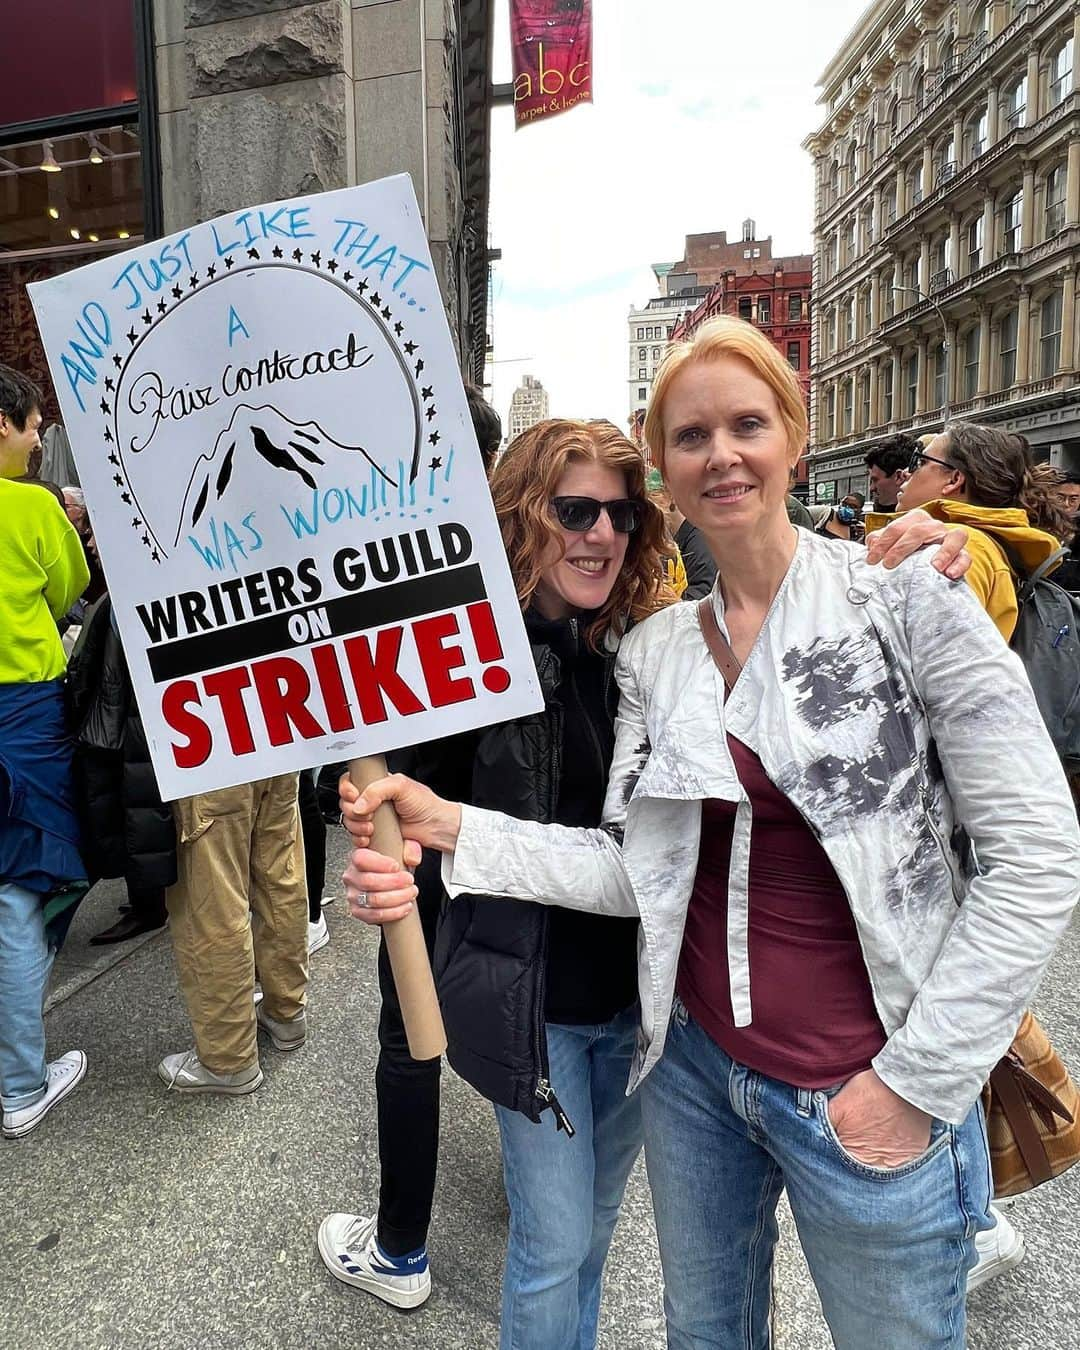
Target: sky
{"type": "Point", "coordinates": [700, 110]}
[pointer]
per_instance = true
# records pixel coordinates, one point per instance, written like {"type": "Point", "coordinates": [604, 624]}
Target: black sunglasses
{"type": "Point", "coordinates": [920, 457]}
{"type": "Point", "coordinates": [581, 513]}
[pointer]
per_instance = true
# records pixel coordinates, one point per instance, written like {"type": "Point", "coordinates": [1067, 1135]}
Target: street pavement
{"type": "Point", "coordinates": [135, 1219]}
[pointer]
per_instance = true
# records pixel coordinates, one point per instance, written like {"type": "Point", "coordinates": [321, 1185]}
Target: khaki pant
{"type": "Point", "coordinates": [240, 901]}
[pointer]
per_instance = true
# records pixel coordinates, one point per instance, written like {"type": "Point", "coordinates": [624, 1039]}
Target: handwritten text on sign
{"type": "Point", "coordinates": [285, 489]}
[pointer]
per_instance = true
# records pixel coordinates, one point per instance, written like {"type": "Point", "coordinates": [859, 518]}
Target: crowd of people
{"type": "Point", "coordinates": [748, 894]}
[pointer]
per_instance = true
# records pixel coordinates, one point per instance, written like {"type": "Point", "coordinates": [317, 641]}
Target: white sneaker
{"type": "Point", "coordinates": [351, 1253]}
{"type": "Point", "coordinates": [328, 899]}
{"type": "Point", "coordinates": [289, 1035]}
{"type": "Point", "coordinates": [999, 1249]}
{"type": "Point", "coordinates": [62, 1075]}
{"type": "Point", "coordinates": [318, 935]}
{"type": "Point", "coordinates": [185, 1072]}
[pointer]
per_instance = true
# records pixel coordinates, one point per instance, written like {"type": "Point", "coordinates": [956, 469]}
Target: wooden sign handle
{"type": "Point", "coordinates": [404, 937]}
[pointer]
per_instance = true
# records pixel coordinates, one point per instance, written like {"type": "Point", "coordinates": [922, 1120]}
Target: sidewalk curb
{"type": "Point", "coordinates": [76, 978]}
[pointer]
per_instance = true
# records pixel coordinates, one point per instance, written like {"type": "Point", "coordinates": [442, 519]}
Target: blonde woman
{"type": "Point", "coordinates": [825, 981]}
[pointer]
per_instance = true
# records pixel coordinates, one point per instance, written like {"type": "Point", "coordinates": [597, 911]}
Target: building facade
{"type": "Point", "coordinates": [155, 114]}
{"type": "Point", "coordinates": [528, 405]}
{"type": "Point", "coordinates": [649, 330]}
{"type": "Point", "coordinates": [774, 294]}
{"type": "Point", "coordinates": [947, 230]}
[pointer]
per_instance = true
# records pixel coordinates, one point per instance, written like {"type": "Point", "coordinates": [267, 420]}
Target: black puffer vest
{"type": "Point", "coordinates": [491, 954]}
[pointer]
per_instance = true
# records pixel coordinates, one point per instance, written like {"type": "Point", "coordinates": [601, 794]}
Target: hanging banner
{"type": "Point", "coordinates": [552, 44]}
{"type": "Point", "coordinates": [285, 489]}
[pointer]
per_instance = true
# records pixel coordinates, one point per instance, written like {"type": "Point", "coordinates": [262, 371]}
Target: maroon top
{"type": "Point", "coordinates": [815, 1023]}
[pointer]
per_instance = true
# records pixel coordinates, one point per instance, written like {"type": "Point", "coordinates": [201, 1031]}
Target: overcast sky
{"type": "Point", "coordinates": [700, 108]}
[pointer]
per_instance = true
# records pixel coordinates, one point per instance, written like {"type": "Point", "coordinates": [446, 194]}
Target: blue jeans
{"type": "Point", "coordinates": [564, 1194]}
{"type": "Point", "coordinates": [25, 961]}
{"type": "Point", "coordinates": [888, 1248]}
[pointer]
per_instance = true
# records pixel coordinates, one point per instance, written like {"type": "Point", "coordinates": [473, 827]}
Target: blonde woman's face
{"type": "Point", "coordinates": [726, 456]}
{"type": "Point", "coordinates": [583, 578]}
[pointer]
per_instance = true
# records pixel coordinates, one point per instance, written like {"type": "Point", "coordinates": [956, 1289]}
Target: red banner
{"type": "Point", "coordinates": [552, 42]}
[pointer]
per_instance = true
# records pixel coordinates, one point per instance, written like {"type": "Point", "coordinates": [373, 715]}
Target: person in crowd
{"type": "Point", "coordinates": [984, 479]}
{"type": "Point", "coordinates": [699, 569]}
{"type": "Point", "coordinates": [798, 512]}
{"type": "Point", "coordinates": [585, 545]}
{"type": "Point", "coordinates": [887, 465]}
{"type": "Point", "coordinates": [127, 830]}
{"type": "Point", "coordinates": [41, 870]}
{"type": "Point", "coordinates": [313, 831]}
{"type": "Point", "coordinates": [843, 521]}
{"type": "Point", "coordinates": [240, 901]}
{"type": "Point", "coordinates": [1068, 495]}
{"type": "Point", "coordinates": [826, 980]}
{"type": "Point", "coordinates": [486, 423]}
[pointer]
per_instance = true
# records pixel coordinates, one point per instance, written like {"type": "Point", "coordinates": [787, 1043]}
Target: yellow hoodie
{"type": "Point", "coordinates": [990, 577]}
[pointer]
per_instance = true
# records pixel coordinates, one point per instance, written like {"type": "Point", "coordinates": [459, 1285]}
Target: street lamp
{"type": "Point", "coordinates": [914, 290]}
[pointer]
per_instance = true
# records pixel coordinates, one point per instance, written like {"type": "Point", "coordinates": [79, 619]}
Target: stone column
{"type": "Point", "coordinates": [1068, 320]}
{"type": "Point", "coordinates": [875, 302]}
{"type": "Point", "coordinates": [1076, 51]}
{"type": "Point", "coordinates": [875, 215]}
{"type": "Point", "coordinates": [993, 116]}
{"type": "Point", "coordinates": [1027, 214]}
{"type": "Point", "coordinates": [1031, 112]}
{"type": "Point", "coordinates": [996, 19]}
{"type": "Point", "coordinates": [897, 402]}
{"type": "Point", "coordinates": [923, 282]}
{"type": "Point", "coordinates": [983, 385]}
{"type": "Point", "coordinates": [1023, 335]}
{"type": "Point", "coordinates": [950, 364]}
{"type": "Point", "coordinates": [920, 384]}
{"type": "Point", "coordinates": [958, 139]}
{"type": "Point", "coordinates": [1072, 183]}
{"type": "Point", "coordinates": [901, 192]}
{"type": "Point", "coordinates": [954, 242]}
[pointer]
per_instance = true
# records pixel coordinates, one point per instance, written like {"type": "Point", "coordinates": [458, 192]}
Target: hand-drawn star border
{"type": "Point", "coordinates": [378, 308]}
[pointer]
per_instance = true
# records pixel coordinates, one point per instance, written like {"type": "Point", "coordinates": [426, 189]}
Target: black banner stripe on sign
{"type": "Point", "coordinates": [346, 614]}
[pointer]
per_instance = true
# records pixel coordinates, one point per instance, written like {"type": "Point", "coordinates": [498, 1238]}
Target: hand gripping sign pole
{"type": "Point", "coordinates": [267, 415]}
{"type": "Point", "coordinates": [404, 937]}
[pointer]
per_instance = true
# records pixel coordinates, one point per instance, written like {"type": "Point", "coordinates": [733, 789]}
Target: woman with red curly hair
{"type": "Point", "coordinates": [536, 1000]}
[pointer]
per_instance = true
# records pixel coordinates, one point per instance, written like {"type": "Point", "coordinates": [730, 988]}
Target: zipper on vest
{"type": "Point", "coordinates": [547, 1096]}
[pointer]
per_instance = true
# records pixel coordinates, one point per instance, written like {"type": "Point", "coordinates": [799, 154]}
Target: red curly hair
{"type": "Point", "coordinates": [522, 486]}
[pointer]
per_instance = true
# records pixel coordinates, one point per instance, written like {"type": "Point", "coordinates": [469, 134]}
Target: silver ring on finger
{"type": "Point", "coordinates": [362, 900]}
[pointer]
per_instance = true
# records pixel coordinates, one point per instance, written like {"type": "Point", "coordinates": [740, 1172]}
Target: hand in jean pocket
{"type": "Point", "coordinates": [875, 1125]}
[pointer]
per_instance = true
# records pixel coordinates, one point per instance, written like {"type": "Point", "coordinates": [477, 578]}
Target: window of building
{"type": "Point", "coordinates": [746, 307]}
{"type": "Point", "coordinates": [848, 319]}
{"type": "Point", "coordinates": [1061, 69]}
{"type": "Point", "coordinates": [864, 387]}
{"type": "Point", "coordinates": [894, 116]}
{"type": "Point", "coordinates": [849, 242]}
{"type": "Point", "coordinates": [671, 329]}
{"type": "Point", "coordinates": [971, 362]}
{"type": "Point", "coordinates": [973, 236]}
{"type": "Point", "coordinates": [919, 89]}
{"type": "Point", "coordinates": [1011, 213]}
{"type": "Point", "coordinates": [888, 205]}
{"type": "Point", "coordinates": [641, 353]}
{"type": "Point", "coordinates": [1055, 201]}
{"type": "Point", "coordinates": [794, 355]}
{"type": "Point", "coordinates": [1007, 361]}
{"type": "Point", "coordinates": [640, 333]}
{"type": "Point", "coordinates": [852, 165]}
{"type": "Point", "coordinates": [764, 309]}
{"type": "Point", "coordinates": [849, 404]}
{"type": "Point", "coordinates": [642, 374]}
{"type": "Point", "coordinates": [834, 181]}
{"type": "Point", "coordinates": [980, 19]}
{"type": "Point", "coordinates": [794, 308]}
{"type": "Point", "coordinates": [886, 392]}
{"type": "Point", "coordinates": [868, 227]}
{"type": "Point", "coordinates": [940, 362]}
{"type": "Point", "coordinates": [1015, 103]}
{"type": "Point", "coordinates": [888, 292]}
{"type": "Point", "coordinates": [913, 185]}
{"type": "Point", "coordinates": [867, 312]}
{"type": "Point", "coordinates": [940, 275]}
{"type": "Point", "coordinates": [975, 135]}
{"type": "Point", "coordinates": [1050, 334]}
{"type": "Point", "coordinates": [945, 161]}
{"type": "Point", "coordinates": [656, 353]}
{"type": "Point", "coordinates": [642, 393]}
{"type": "Point", "coordinates": [912, 381]}
{"type": "Point", "coordinates": [830, 413]}
{"type": "Point", "coordinates": [830, 332]}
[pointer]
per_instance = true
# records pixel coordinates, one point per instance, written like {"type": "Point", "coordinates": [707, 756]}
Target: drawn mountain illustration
{"type": "Point", "coordinates": [261, 441]}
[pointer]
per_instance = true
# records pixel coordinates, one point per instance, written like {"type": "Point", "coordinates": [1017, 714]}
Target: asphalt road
{"type": "Point", "coordinates": [133, 1219]}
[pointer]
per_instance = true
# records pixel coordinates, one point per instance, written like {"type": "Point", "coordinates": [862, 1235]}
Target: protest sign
{"type": "Point", "coordinates": [285, 489]}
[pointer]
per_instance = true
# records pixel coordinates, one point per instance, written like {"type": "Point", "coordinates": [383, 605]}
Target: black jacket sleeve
{"type": "Point", "coordinates": [698, 561]}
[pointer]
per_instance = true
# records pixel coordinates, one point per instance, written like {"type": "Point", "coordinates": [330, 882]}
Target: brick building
{"type": "Point", "coordinates": [746, 281]}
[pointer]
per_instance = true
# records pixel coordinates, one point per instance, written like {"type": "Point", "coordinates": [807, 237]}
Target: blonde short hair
{"type": "Point", "coordinates": [728, 336]}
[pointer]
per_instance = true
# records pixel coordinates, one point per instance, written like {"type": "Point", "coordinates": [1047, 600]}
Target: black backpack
{"type": "Point", "coordinates": [1047, 640]}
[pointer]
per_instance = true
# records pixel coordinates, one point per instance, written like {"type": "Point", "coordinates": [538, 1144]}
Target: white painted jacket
{"type": "Point", "coordinates": [888, 709]}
